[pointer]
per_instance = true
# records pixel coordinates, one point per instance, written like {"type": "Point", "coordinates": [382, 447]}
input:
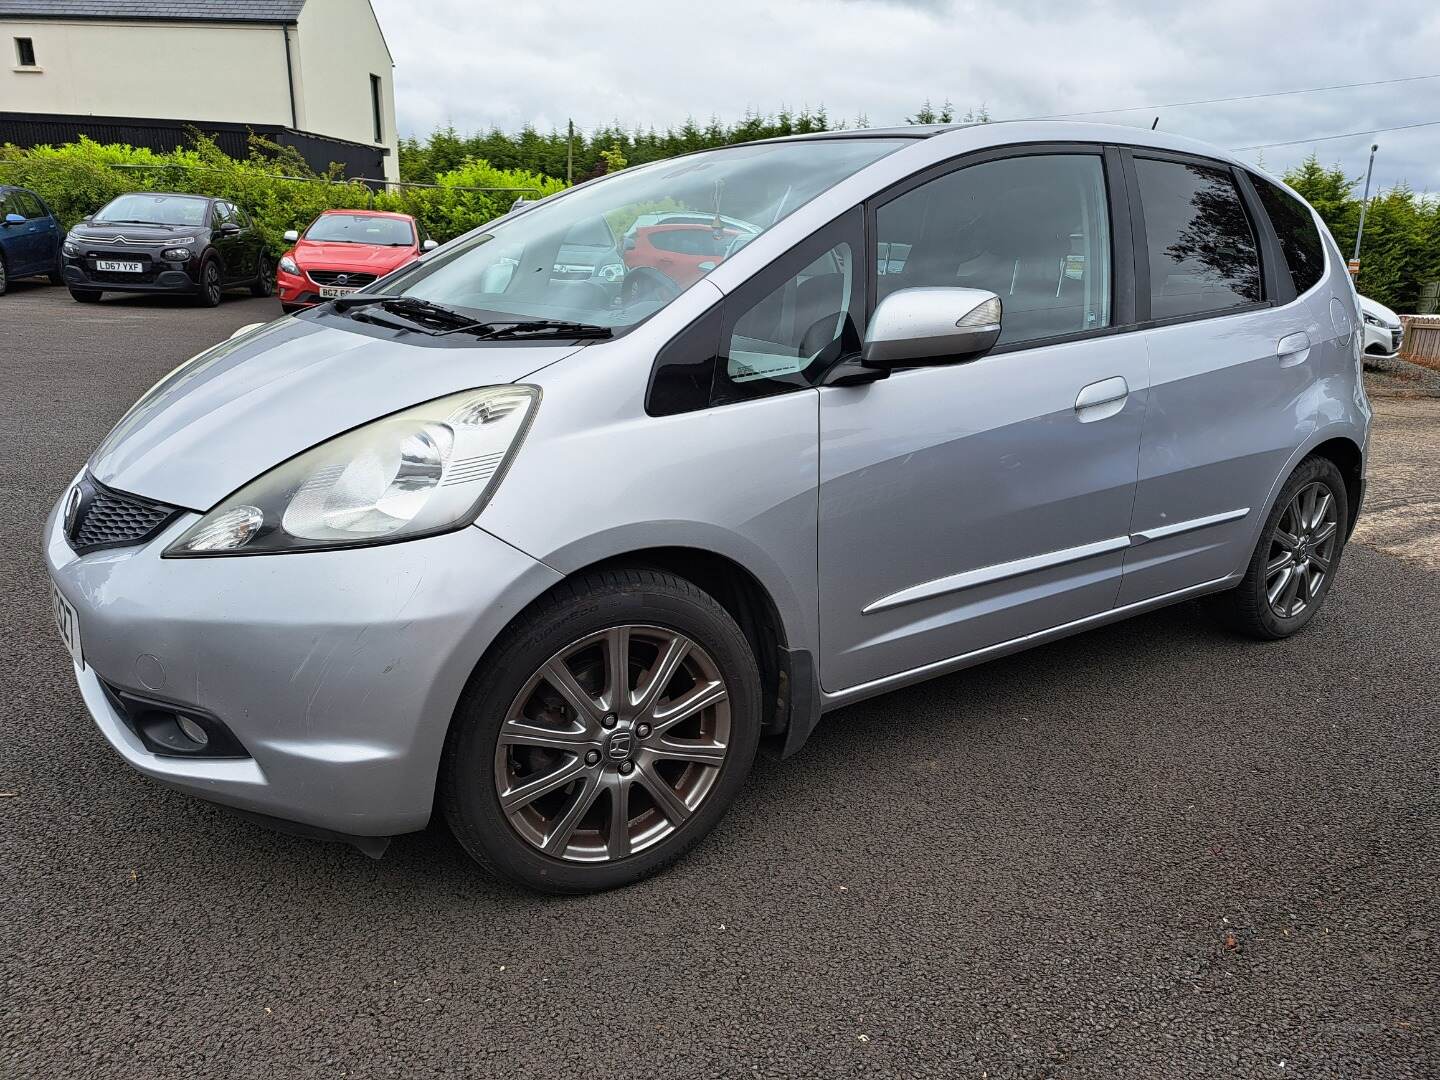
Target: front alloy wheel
{"type": "Point", "coordinates": [605, 735]}
{"type": "Point", "coordinates": [613, 743]}
{"type": "Point", "coordinates": [210, 287]}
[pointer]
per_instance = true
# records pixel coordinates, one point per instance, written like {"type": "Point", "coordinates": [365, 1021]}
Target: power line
{"type": "Point", "coordinates": [1238, 97]}
{"type": "Point", "coordinates": [1346, 135]}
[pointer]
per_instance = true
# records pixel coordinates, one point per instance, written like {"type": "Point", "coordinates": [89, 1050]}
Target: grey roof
{"type": "Point", "coordinates": [253, 11]}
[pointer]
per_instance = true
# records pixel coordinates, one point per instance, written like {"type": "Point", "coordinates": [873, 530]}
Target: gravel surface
{"type": "Point", "coordinates": [1151, 850]}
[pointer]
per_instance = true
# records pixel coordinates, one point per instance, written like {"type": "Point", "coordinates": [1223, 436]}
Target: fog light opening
{"type": "Point", "coordinates": [193, 731]}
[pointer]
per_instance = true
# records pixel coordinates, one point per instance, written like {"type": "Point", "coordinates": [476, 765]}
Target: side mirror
{"type": "Point", "coordinates": [929, 326]}
{"type": "Point", "coordinates": [429, 245]}
{"type": "Point", "coordinates": [14, 219]}
{"type": "Point", "coordinates": [291, 235]}
{"type": "Point", "coordinates": [229, 229]}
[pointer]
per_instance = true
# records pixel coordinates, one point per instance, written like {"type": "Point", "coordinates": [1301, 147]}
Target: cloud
{"type": "Point", "coordinates": [657, 62]}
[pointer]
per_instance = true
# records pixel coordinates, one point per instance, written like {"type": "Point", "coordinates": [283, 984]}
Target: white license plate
{"type": "Point", "coordinates": [67, 621]}
{"type": "Point", "coordinates": [329, 292]}
{"type": "Point", "coordinates": [123, 267]}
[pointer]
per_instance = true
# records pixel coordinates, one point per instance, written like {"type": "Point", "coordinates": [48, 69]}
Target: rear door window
{"type": "Point", "coordinates": [1295, 227]}
{"type": "Point", "coordinates": [1202, 252]}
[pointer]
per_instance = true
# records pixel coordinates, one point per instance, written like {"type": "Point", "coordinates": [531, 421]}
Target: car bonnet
{"type": "Point", "coordinates": [237, 410]}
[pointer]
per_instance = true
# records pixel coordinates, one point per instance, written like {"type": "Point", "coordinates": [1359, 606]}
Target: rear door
{"type": "Point", "coordinates": [1231, 378]}
{"type": "Point", "coordinates": [969, 505]}
{"type": "Point", "coordinates": [42, 239]}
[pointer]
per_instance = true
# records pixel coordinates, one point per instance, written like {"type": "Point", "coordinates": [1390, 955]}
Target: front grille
{"type": "Point", "coordinates": [102, 518]}
{"type": "Point", "coordinates": [1396, 336]}
{"type": "Point", "coordinates": [332, 277]}
{"type": "Point", "coordinates": [120, 277]}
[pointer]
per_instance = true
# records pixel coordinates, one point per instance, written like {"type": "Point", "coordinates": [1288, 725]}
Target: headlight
{"type": "Point", "coordinates": [1372, 320]}
{"type": "Point", "coordinates": [289, 265]}
{"type": "Point", "coordinates": [70, 249]}
{"type": "Point", "coordinates": [425, 470]}
{"type": "Point", "coordinates": [610, 272]}
{"type": "Point", "coordinates": [176, 254]}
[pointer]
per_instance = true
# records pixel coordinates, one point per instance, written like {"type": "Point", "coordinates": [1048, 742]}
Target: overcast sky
{"type": "Point", "coordinates": [654, 62]}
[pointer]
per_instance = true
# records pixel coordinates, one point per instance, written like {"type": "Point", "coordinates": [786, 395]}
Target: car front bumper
{"type": "Point", "coordinates": [337, 672]}
{"type": "Point", "coordinates": [159, 278]}
{"type": "Point", "coordinates": [1383, 340]}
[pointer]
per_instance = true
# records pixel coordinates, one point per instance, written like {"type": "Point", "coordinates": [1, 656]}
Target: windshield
{"type": "Point", "coordinates": [361, 229]}
{"type": "Point", "coordinates": [155, 210]}
{"type": "Point", "coordinates": [615, 252]}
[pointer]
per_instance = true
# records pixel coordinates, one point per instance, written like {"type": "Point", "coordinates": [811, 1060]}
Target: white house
{"type": "Point", "coordinates": [314, 74]}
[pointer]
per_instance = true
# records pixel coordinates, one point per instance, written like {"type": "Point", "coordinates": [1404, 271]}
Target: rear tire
{"type": "Point", "coordinates": [4, 277]}
{"type": "Point", "coordinates": [85, 296]}
{"type": "Point", "coordinates": [1296, 558]}
{"type": "Point", "coordinates": [641, 792]}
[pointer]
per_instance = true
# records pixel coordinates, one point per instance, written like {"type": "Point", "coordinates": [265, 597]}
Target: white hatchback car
{"type": "Point", "coordinates": [1383, 332]}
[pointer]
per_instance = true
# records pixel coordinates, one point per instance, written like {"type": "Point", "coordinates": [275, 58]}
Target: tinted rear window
{"type": "Point", "coordinates": [1299, 239]}
{"type": "Point", "coordinates": [1203, 256]}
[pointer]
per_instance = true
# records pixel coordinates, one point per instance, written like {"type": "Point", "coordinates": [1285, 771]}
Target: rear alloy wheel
{"type": "Point", "coordinates": [607, 736]}
{"type": "Point", "coordinates": [211, 290]}
{"type": "Point", "coordinates": [1294, 563]}
{"type": "Point", "coordinates": [4, 278]}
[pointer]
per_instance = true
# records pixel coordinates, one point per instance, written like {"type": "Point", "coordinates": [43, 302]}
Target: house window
{"type": "Point", "coordinates": [25, 51]}
{"type": "Point", "coordinates": [375, 107]}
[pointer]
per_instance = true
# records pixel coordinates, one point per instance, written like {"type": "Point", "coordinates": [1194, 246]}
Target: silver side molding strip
{"type": "Point", "coordinates": [999, 572]}
{"type": "Point", "coordinates": [1162, 531]}
{"type": "Point", "coordinates": [991, 652]}
{"type": "Point", "coordinates": [986, 575]}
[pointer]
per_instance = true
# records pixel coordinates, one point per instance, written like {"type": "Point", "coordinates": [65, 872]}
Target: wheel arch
{"type": "Point", "coordinates": [789, 682]}
{"type": "Point", "coordinates": [1337, 443]}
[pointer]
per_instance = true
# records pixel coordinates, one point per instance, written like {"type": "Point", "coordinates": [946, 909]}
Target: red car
{"type": "Point", "coordinates": [683, 252]}
{"type": "Point", "coordinates": [343, 250]}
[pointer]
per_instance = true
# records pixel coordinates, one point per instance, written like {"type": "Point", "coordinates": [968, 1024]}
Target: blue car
{"type": "Point", "coordinates": [29, 237]}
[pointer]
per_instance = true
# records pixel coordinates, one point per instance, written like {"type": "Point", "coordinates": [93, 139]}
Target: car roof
{"type": "Point", "coordinates": [367, 213]}
{"type": "Point", "coordinates": [1056, 130]}
{"type": "Point", "coordinates": [169, 195]}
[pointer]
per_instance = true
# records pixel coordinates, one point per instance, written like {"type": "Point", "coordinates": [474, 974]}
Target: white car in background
{"type": "Point", "coordinates": [1383, 333]}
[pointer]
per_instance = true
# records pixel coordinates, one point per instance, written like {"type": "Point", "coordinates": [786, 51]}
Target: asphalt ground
{"type": "Point", "coordinates": [1149, 851]}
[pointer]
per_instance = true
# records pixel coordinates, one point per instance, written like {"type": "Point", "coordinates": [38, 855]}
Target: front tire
{"type": "Point", "coordinates": [264, 283]}
{"type": "Point", "coordinates": [604, 735]}
{"type": "Point", "coordinates": [211, 287]}
{"type": "Point", "coordinates": [1296, 558]}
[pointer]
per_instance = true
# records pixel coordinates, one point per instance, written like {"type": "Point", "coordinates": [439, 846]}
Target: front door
{"type": "Point", "coordinates": [970, 505]}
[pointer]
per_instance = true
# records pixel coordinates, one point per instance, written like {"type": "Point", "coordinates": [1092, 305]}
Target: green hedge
{"type": "Point", "coordinates": [76, 179]}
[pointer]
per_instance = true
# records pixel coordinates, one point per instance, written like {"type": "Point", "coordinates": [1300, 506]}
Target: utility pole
{"type": "Point", "coordinates": [570, 158]}
{"type": "Point", "coordinates": [1364, 205]}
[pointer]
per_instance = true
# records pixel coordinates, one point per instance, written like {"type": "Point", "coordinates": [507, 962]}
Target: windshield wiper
{"type": "Point", "coordinates": [412, 306]}
{"type": "Point", "coordinates": [456, 322]}
{"type": "Point", "coordinates": [539, 327]}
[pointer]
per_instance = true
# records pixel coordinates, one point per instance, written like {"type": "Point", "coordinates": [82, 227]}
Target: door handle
{"type": "Point", "coordinates": [1101, 399]}
{"type": "Point", "coordinates": [1293, 349]}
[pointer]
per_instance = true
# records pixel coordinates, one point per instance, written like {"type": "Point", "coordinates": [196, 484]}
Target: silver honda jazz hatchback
{"type": "Point", "coordinates": [554, 554]}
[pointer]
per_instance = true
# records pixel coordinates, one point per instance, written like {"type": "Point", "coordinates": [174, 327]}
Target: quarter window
{"type": "Point", "coordinates": [1202, 252]}
{"type": "Point", "coordinates": [1299, 240]}
{"type": "Point", "coordinates": [1033, 230]}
